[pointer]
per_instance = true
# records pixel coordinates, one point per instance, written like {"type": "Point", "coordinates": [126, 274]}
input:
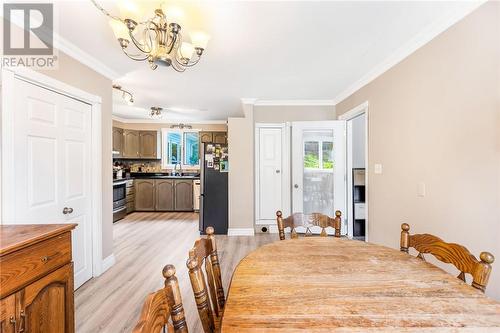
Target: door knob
{"type": "Point", "coordinates": [67, 210]}
{"type": "Point", "coordinates": [296, 185]}
{"type": "Point", "coordinates": [278, 171]}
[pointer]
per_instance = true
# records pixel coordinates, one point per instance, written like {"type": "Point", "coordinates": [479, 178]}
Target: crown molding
{"type": "Point", "coordinates": [172, 121]}
{"type": "Point", "coordinates": [78, 54]}
{"type": "Point", "coordinates": [414, 44]}
{"type": "Point", "coordinates": [62, 44]}
{"type": "Point", "coordinates": [287, 102]}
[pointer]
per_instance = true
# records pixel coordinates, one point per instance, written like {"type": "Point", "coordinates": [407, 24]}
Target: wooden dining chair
{"type": "Point", "coordinates": [450, 253]}
{"type": "Point", "coordinates": [306, 220]}
{"type": "Point", "coordinates": [162, 305]}
{"type": "Point", "coordinates": [209, 298]}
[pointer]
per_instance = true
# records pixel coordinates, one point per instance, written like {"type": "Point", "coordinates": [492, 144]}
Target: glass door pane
{"type": "Point", "coordinates": [317, 181]}
{"type": "Point", "coordinates": [318, 168]}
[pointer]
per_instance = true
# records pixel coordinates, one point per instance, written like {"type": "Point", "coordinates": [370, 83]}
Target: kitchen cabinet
{"type": "Point", "coordinates": [219, 137]}
{"type": "Point", "coordinates": [148, 144]}
{"type": "Point", "coordinates": [163, 195]}
{"type": "Point", "coordinates": [136, 144]}
{"type": "Point", "coordinates": [117, 142]}
{"type": "Point", "coordinates": [130, 196]}
{"type": "Point", "coordinates": [183, 195]}
{"type": "Point", "coordinates": [206, 137]}
{"type": "Point", "coordinates": [145, 195]}
{"type": "Point", "coordinates": [36, 279]}
{"type": "Point", "coordinates": [130, 144]}
{"type": "Point", "coordinates": [165, 189]}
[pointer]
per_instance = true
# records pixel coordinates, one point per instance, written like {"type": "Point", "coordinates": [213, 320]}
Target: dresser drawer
{"type": "Point", "coordinates": [28, 264]}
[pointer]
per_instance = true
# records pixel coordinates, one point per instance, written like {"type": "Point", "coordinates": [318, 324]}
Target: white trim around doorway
{"type": "Point", "coordinates": [349, 115]}
{"type": "Point", "coordinates": [7, 83]}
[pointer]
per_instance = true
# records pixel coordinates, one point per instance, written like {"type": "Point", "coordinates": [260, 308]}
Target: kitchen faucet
{"type": "Point", "coordinates": [175, 169]}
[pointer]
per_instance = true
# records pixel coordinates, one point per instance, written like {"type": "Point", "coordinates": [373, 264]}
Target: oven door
{"type": "Point", "coordinates": [119, 191]}
{"type": "Point", "coordinates": [119, 213]}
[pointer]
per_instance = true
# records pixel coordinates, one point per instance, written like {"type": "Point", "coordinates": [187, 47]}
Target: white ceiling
{"type": "Point", "coordinates": [301, 50]}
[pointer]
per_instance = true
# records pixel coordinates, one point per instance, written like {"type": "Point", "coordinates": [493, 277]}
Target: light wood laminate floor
{"type": "Point", "coordinates": [143, 244]}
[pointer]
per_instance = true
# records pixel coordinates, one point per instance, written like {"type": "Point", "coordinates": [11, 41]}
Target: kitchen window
{"type": "Point", "coordinates": [180, 147]}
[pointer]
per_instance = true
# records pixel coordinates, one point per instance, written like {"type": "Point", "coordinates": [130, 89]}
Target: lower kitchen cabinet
{"type": "Point", "coordinates": [145, 195]}
{"type": "Point", "coordinates": [130, 196]}
{"type": "Point", "coordinates": [164, 195]}
{"type": "Point", "coordinates": [183, 195]}
{"type": "Point", "coordinates": [165, 189]}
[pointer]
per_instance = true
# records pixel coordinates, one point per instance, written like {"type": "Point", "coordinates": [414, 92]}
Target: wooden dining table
{"type": "Point", "coordinates": [327, 284]}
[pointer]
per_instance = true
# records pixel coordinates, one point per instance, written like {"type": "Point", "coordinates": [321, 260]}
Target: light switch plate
{"type": "Point", "coordinates": [377, 169]}
{"type": "Point", "coordinates": [421, 189]}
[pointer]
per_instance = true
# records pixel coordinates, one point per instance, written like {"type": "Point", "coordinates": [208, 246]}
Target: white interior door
{"type": "Point", "coordinates": [270, 171]}
{"type": "Point", "coordinates": [319, 168]}
{"type": "Point", "coordinates": [52, 141]}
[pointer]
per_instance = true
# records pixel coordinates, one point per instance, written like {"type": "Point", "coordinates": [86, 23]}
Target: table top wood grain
{"type": "Point", "coordinates": [326, 284]}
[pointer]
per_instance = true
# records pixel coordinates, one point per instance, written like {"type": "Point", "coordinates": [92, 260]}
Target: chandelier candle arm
{"type": "Point", "coordinates": [160, 39]}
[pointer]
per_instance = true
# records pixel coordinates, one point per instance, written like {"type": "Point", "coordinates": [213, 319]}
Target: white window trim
{"type": "Point", "coordinates": [164, 158]}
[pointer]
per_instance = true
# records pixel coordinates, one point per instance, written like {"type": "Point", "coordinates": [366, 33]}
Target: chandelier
{"type": "Point", "coordinates": [126, 95]}
{"type": "Point", "coordinates": [157, 40]}
{"type": "Point", "coordinates": [155, 112]}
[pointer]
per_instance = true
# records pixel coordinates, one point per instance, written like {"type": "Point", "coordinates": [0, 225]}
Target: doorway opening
{"type": "Point", "coordinates": [357, 175]}
{"type": "Point", "coordinates": [299, 168]}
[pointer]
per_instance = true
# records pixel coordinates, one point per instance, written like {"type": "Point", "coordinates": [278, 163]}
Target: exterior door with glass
{"type": "Point", "coordinates": [318, 169]}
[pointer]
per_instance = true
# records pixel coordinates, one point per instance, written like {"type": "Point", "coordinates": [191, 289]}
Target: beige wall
{"type": "Point", "coordinates": [158, 126]}
{"type": "Point", "coordinates": [435, 118]}
{"type": "Point", "coordinates": [80, 76]}
{"type": "Point", "coordinates": [279, 114]}
{"type": "Point", "coordinates": [240, 149]}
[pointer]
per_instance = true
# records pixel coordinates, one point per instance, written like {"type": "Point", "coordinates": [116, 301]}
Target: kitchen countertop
{"type": "Point", "coordinates": [156, 176]}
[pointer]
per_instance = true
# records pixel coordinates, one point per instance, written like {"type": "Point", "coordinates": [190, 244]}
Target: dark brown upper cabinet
{"type": "Point", "coordinates": [136, 144]}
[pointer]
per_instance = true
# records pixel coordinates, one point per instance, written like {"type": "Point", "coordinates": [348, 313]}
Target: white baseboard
{"type": "Point", "coordinates": [107, 263]}
{"type": "Point", "coordinates": [240, 232]}
{"type": "Point", "coordinates": [273, 229]}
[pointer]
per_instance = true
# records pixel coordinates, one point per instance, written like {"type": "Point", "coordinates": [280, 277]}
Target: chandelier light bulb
{"type": "Point", "coordinates": [173, 14]}
{"type": "Point", "coordinates": [187, 50]}
{"type": "Point", "coordinates": [130, 9]}
{"type": "Point", "coordinates": [199, 39]}
{"type": "Point", "coordinates": [119, 29]}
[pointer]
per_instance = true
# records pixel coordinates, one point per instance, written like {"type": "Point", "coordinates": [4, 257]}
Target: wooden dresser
{"type": "Point", "coordinates": [36, 279]}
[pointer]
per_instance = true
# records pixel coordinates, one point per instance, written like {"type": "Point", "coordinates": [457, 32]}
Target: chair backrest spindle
{"type": "Point", "coordinates": [162, 305]}
{"type": "Point", "coordinates": [307, 220]}
{"type": "Point", "coordinates": [450, 253]}
{"type": "Point", "coordinates": [207, 287]}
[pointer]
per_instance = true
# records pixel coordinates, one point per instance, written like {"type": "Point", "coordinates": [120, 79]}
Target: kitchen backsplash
{"type": "Point", "coordinates": [148, 166]}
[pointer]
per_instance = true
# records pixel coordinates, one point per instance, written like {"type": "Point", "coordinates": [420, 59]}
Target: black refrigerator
{"type": "Point", "coordinates": [214, 188]}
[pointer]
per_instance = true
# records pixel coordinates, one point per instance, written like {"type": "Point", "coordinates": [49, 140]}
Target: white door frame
{"type": "Point", "coordinates": [349, 115]}
{"type": "Point", "coordinates": [285, 172]}
{"type": "Point", "coordinates": [8, 181]}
